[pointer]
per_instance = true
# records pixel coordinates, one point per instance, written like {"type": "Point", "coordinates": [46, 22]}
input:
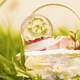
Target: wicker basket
{"type": "Point", "coordinates": [51, 63]}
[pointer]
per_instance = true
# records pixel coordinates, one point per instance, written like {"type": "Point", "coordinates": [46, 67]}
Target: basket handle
{"type": "Point", "coordinates": [56, 4]}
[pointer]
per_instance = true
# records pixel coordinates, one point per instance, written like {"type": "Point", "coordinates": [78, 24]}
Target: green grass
{"type": "Point", "coordinates": [64, 31]}
{"type": "Point", "coordinates": [10, 67]}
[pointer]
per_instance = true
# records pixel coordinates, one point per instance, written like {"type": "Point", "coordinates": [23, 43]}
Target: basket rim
{"type": "Point", "coordinates": [51, 52]}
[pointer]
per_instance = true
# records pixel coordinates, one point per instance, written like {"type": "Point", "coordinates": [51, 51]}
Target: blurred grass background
{"type": "Point", "coordinates": [12, 68]}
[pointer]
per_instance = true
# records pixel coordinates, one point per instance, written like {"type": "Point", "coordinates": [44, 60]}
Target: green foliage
{"type": "Point", "coordinates": [10, 67]}
{"type": "Point", "coordinates": [38, 31]}
{"type": "Point", "coordinates": [58, 78]}
{"type": "Point", "coordinates": [62, 31]}
{"type": "Point", "coordinates": [77, 77]}
{"type": "Point", "coordinates": [78, 35]}
{"type": "Point", "coordinates": [55, 34]}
